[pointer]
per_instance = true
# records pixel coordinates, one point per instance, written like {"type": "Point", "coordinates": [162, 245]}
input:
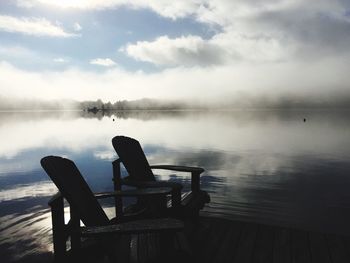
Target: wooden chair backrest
{"type": "Point", "coordinates": [133, 158]}
{"type": "Point", "coordinates": [66, 176]}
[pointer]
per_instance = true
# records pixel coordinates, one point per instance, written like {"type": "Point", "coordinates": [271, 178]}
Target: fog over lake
{"type": "Point", "coordinates": [264, 166]}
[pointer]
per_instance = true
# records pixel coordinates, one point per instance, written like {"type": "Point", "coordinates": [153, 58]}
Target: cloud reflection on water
{"type": "Point", "coordinates": [28, 190]}
{"type": "Point", "coordinates": [26, 235]}
{"type": "Point", "coordinates": [266, 166]}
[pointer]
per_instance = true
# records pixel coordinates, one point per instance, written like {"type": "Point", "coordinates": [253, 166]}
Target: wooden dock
{"type": "Point", "coordinates": [217, 240]}
{"type": "Point", "coordinates": [220, 240]}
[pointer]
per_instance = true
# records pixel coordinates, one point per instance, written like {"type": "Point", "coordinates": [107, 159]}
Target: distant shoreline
{"type": "Point", "coordinates": [176, 110]}
{"type": "Point", "coordinates": [147, 104]}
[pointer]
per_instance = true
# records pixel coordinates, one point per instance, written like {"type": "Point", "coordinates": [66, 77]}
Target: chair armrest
{"type": "Point", "coordinates": [135, 192]}
{"type": "Point", "coordinates": [195, 173]}
{"type": "Point", "coordinates": [138, 226]}
{"type": "Point", "coordinates": [152, 184]}
{"type": "Point", "coordinates": [178, 168]}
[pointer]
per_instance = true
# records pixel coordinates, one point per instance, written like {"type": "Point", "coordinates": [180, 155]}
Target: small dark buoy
{"type": "Point", "coordinates": [304, 120]}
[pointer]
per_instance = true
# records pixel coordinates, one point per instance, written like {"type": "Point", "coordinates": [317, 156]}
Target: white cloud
{"type": "Point", "coordinates": [223, 48]}
{"type": "Point", "coordinates": [259, 47]}
{"type": "Point", "coordinates": [212, 11]}
{"type": "Point", "coordinates": [171, 9]}
{"type": "Point", "coordinates": [258, 30]}
{"type": "Point", "coordinates": [32, 26]}
{"type": "Point", "coordinates": [60, 60]}
{"type": "Point", "coordinates": [190, 50]}
{"type": "Point", "coordinates": [106, 62]}
{"type": "Point", "coordinates": [77, 27]}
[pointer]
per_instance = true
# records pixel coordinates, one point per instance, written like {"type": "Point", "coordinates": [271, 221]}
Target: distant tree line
{"type": "Point", "coordinates": [291, 102]}
{"type": "Point", "coordinates": [142, 104]}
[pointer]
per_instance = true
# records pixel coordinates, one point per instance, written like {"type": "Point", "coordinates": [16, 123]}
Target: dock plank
{"type": "Point", "coordinates": [207, 247]}
{"type": "Point", "coordinates": [214, 239]}
{"type": "Point", "coordinates": [246, 244]}
{"type": "Point", "coordinates": [282, 246]}
{"type": "Point", "coordinates": [346, 242]}
{"type": "Point", "coordinates": [263, 251]}
{"type": "Point", "coordinates": [337, 250]}
{"type": "Point", "coordinates": [237, 241]}
{"type": "Point", "coordinates": [319, 248]}
{"type": "Point", "coordinates": [300, 247]}
{"type": "Point", "coordinates": [229, 244]}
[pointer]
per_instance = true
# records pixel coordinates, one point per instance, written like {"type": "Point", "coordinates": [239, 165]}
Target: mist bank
{"type": "Point", "coordinates": [25, 104]}
{"type": "Point", "coordinates": [244, 101]}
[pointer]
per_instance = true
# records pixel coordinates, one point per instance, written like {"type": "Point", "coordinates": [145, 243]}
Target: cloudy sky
{"type": "Point", "coordinates": [204, 49]}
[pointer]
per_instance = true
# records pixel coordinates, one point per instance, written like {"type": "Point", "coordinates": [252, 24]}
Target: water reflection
{"type": "Point", "coordinates": [266, 166]}
{"type": "Point", "coordinates": [25, 231]}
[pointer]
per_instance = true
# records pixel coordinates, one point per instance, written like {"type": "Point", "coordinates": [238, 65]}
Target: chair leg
{"type": "Point", "coordinates": [58, 229]}
{"type": "Point", "coordinates": [75, 236]}
{"type": "Point", "coordinates": [118, 202]}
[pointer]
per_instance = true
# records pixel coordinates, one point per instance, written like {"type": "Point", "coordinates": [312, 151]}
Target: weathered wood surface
{"type": "Point", "coordinates": [136, 192]}
{"type": "Point", "coordinates": [138, 226]}
{"type": "Point", "coordinates": [220, 240]}
{"type": "Point", "coordinates": [178, 168]}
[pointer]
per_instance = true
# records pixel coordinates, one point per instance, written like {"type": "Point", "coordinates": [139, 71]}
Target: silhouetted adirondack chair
{"type": "Point", "coordinates": [85, 207]}
{"type": "Point", "coordinates": [140, 175]}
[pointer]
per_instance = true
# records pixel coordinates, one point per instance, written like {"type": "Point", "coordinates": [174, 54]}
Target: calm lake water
{"type": "Point", "coordinates": [263, 166]}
